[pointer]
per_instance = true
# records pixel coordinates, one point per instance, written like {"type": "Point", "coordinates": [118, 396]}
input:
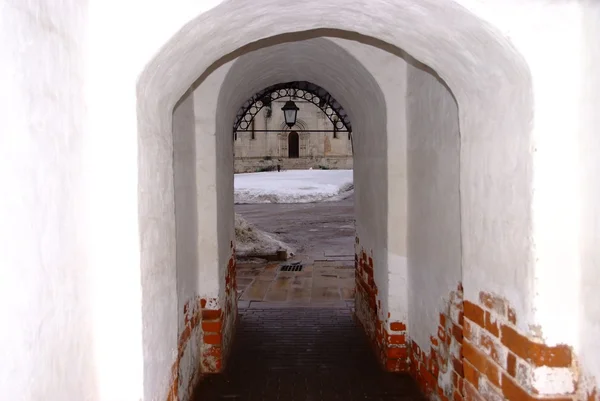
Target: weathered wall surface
{"type": "Point", "coordinates": [251, 165]}
{"type": "Point", "coordinates": [386, 288]}
{"type": "Point", "coordinates": [525, 217]}
{"type": "Point", "coordinates": [434, 237]}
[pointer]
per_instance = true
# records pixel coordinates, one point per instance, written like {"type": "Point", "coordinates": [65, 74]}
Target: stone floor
{"type": "Point", "coordinates": [320, 281]}
{"type": "Point", "coordinates": [303, 354]}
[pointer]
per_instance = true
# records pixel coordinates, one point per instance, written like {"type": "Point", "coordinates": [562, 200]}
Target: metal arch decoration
{"type": "Point", "coordinates": [297, 89]}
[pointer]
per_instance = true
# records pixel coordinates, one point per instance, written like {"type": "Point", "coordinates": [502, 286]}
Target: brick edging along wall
{"type": "Point", "coordinates": [387, 338]}
{"type": "Point", "coordinates": [477, 353]}
{"type": "Point", "coordinates": [488, 359]}
{"type": "Point", "coordinates": [211, 329]}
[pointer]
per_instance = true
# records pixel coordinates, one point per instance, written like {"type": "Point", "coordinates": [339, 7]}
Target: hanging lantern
{"type": "Point", "coordinates": [290, 111]}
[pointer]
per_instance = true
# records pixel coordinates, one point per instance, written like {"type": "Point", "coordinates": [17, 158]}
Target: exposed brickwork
{"type": "Point", "coordinates": [501, 360]}
{"type": "Point", "coordinates": [389, 339]}
{"type": "Point", "coordinates": [439, 371]}
{"type": "Point", "coordinates": [209, 329]}
{"type": "Point", "coordinates": [218, 324]}
{"type": "Point", "coordinates": [191, 333]}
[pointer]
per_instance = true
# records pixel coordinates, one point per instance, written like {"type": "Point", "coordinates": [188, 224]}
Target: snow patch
{"type": "Point", "coordinates": [250, 240]}
{"type": "Point", "coordinates": [293, 186]}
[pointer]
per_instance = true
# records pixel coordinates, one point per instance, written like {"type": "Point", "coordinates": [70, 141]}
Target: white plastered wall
{"type": "Point", "coordinates": [481, 74]}
{"type": "Point", "coordinates": [388, 67]}
{"type": "Point", "coordinates": [485, 71]}
{"type": "Point", "coordinates": [47, 329]}
{"type": "Point", "coordinates": [589, 227]}
{"type": "Point", "coordinates": [434, 237]}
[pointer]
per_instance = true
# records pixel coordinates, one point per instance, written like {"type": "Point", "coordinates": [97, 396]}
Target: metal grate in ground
{"type": "Point", "coordinates": [291, 267]}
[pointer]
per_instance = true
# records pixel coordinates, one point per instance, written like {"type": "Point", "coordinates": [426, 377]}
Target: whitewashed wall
{"type": "Point", "coordinates": [77, 227]}
{"type": "Point", "coordinates": [434, 238]}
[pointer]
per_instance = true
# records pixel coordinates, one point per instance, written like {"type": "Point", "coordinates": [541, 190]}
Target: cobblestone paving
{"type": "Point", "coordinates": [303, 354]}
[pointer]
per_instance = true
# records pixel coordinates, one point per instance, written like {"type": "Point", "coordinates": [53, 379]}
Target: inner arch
{"type": "Point", "coordinates": [488, 77]}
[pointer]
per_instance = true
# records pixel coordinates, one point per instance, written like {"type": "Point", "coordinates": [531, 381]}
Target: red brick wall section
{"type": "Point", "coordinates": [387, 338]}
{"type": "Point", "coordinates": [214, 327]}
{"type": "Point", "coordinates": [218, 325]}
{"type": "Point", "coordinates": [499, 360]}
{"type": "Point", "coordinates": [439, 370]}
{"type": "Point", "coordinates": [192, 317]}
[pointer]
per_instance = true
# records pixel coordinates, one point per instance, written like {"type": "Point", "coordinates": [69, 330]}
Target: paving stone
{"type": "Point", "coordinates": [304, 354]}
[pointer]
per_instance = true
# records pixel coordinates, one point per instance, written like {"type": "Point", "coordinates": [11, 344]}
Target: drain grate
{"type": "Point", "coordinates": [291, 267]}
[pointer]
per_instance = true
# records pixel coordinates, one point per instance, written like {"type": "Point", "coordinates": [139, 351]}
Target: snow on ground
{"type": "Point", "coordinates": [293, 186]}
{"type": "Point", "coordinates": [250, 240]}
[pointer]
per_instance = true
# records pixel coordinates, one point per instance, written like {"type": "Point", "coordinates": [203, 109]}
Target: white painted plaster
{"type": "Point", "coordinates": [588, 349]}
{"type": "Point", "coordinates": [126, 219]}
{"type": "Point", "coordinates": [434, 238]}
{"type": "Point", "coordinates": [550, 381]}
{"type": "Point", "coordinates": [47, 331]}
{"type": "Point", "coordinates": [186, 225]}
{"type": "Point", "coordinates": [211, 264]}
{"type": "Point", "coordinates": [388, 68]}
{"type": "Point", "coordinates": [186, 213]}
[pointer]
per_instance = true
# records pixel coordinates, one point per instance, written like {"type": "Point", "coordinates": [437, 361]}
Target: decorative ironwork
{"type": "Point", "coordinates": [297, 89]}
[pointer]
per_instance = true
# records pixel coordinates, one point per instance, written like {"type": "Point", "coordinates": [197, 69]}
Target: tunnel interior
{"type": "Point", "coordinates": [420, 134]}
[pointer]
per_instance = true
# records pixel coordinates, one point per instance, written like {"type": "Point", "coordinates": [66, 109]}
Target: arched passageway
{"type": "Point", "coordinates": [293, 145]}
{"type": "Point", "coordinates": [386, 260]}
{"type": "Point", "coordinates": [118, 281]}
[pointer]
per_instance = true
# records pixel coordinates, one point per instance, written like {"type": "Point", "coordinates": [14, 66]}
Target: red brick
{"type": "Point", "coordinates": [397, 326]}
{"type": "Point", "coordinates": [212, 339]}
{"type": "Point", "coordinates": [471, 374]}
{"type": "Point", "coordinates": [211, 314]}
{"type": "Point", "coordinates": [491, 326]}
{"type": "Point", "coordinates": [471, 393]}
{"type": "Point", "coordinates": [457, 365]}
{"type": "Point", "coordinates": [481, 362]}
{"type": "Point", "coordinates": [211, 326]}
{"type": "Point", "coordinates": [511, 364]}
{"type": "Point", "coordinates": [457, 332]}
{"type": "Point", "coordinates": [397, 353]}
{"type": "Point", "coordinates": [397, 339]}
{"type": "Point", "coordinates": [538, 354]}
{"type": "Point", "coordinates": [474, 313]}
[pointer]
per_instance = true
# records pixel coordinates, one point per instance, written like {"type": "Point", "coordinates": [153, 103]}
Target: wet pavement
{"type": "Point", "coordinates": [303, 354]}
{"type": "Point", "coordinates": [307, 283]}
{"type": "Point", "coordinates": [317, 231]}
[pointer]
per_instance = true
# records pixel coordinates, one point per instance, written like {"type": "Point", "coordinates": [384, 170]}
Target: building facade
{"type": "Point", "coordinates": [311, 143]}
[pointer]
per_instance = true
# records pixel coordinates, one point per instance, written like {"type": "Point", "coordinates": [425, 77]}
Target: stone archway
{"type": "Point", "coordinates": [293, 145]}
{"type": "Point", "coordinates": [491, 63]}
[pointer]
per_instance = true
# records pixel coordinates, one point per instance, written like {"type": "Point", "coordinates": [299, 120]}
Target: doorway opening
{"type": "Point", "coordinates": [293, 194]}
{"type": "Point", "coordinates": [293, 145]}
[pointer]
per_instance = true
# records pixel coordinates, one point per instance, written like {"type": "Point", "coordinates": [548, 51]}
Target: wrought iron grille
{"type": "Point", "coordinates": [297, 89]}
